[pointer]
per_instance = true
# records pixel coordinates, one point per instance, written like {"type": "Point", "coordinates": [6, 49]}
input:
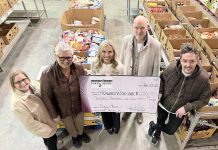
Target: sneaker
{"type": "Point", "coordinates": [151, 128]}
{"type": "Point", "coordinates": [154, 140]}
{"type": "Point", "coordinates": [139, 118]}
{"type": "Point", "coordinates": [77, 142]}
{"type": "Point", "coordinates": [126, 116]}
{"type": "Point", "coordinates": [85, 138]}
{"type": "Point", "coordinates": [116, 131]}
{"type": "Point", "coordinates": [110, 131]}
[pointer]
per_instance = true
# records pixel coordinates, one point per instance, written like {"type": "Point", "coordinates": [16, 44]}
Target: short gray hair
{"type": "Point", "coordinates": [63, 47]}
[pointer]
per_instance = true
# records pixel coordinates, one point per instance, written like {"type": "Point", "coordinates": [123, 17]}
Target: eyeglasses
{"type": "Point", "coordinates": [19, 82]}
{"type": "Point", "coordinates": [65, 58]}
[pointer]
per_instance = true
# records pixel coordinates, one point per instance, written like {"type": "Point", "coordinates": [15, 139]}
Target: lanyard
{"type": "Point", "coordinates": [165, 109]}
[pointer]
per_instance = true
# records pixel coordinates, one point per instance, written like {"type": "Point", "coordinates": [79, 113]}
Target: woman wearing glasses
{"type": "Point", "coordinates": [29, 109]}
{"type": "Point", "coordinates": [106, 64]}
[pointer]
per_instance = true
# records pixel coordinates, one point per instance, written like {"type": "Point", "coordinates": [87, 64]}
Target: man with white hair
{"type": "Point", "coordinates": [140, 55]}
{"type": "Point", "coordinates": [61, 92]}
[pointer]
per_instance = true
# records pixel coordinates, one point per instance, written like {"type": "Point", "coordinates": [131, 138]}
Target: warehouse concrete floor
{"type": "Point", "coordinates": [35, 49]}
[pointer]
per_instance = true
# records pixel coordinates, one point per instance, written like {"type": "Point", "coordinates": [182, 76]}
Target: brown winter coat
{"type": "Point", "coordinates": [60, 96]}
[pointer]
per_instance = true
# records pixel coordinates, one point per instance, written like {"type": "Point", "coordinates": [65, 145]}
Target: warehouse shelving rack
{"type": "Point", "coordinates": [22, 25]}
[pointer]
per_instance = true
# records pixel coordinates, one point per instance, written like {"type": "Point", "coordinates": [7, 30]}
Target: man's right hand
{"type": "Point", "coordinates": [58, 119]}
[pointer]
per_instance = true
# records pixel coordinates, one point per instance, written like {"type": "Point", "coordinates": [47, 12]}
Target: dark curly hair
{"type": "Point", "coordinates": [188, 48]}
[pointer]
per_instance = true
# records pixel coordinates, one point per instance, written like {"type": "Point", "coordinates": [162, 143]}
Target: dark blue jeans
{"type": "Point", "coordinates": [51, 142]}
{"type": "Point", "coordinates": [172, 125]}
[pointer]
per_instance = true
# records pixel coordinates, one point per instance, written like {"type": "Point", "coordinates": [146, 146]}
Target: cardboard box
{"type": "Point", "coordinates": [11, 26]}
{"type": "Point", "coordinates": [182, 132]}
{"type": "Point", "coordinates": [189, 8]}
{"type": "Point", "coordinates": [177, 3]}
{"type": "Point", "coordinates": [4, 5]}
{"type": "Point", "coordinates": [173, 47]}
{"type": "Point", "coordinates": [195, 14]}
{"type": "Point", "coordinates": [201, 23]}
{"type": "Point", "coordinates": [152, 5]}
{"type": "Point", "coordinates": [88, 7]}
{"type": "Point", "coordinates": [209, 109]}
{"type": "Point", "coordinates": [155, 17]}
{"type": "Point", "coordinates": [84, 15]}
{"type": "Point", "coordinates": [12, 2]}
{"type": "Point", "coordinates": [197, 33]}
{"type": "Point", "coordinates": [160, 25]}
{"type": "Point", "coordinates": [7, 36]}
{"type": "Point", "coordinates": [1, 12]}
{"type": "Point", "coordinates": [2, 44]}
{"type": "Point", "coordinates": [184, 9]}
{"type": "Point", "coordinates": [173, 34]}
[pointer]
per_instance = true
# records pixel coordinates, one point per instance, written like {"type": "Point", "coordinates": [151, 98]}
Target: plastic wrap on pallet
{"type": "Point", "coordinates": [94, 4]}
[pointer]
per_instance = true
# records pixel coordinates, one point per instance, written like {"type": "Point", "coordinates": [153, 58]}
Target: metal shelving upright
{"type": "Point", "coordinates": [22, 25]}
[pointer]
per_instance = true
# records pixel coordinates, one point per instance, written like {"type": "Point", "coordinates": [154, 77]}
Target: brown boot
{"type": "Point", "coordinates": [139, 118]}
{"type": "Point", "coordinates": [126, 116]}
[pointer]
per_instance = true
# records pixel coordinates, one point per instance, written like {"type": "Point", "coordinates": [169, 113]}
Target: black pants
{"type": "Point", "coordinates": [172, 125]}
{"type": "Point", "coordinates": [51, 142]}
{"type": "Point", "coordinates": [111, 120]}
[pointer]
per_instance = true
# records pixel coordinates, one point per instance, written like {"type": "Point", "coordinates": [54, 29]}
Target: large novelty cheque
{"type": "Point", "coordinates": [119, 93]}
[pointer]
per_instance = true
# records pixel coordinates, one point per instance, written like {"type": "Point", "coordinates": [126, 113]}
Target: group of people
{"type": "Point", "coordinates": [39, 107]}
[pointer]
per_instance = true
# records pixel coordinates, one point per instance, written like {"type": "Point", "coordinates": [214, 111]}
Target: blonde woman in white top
{"type": "Point", "coordinates": [28, 108]}
{"type": "Point", "coordinates": [107, 64]}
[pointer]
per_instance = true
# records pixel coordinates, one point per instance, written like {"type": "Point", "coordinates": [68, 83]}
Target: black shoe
{"type": "Point", "coordinates": [77, 142]}
{"type": "Point", "coordinates": [85, 138]}
{"type": "Point", "coordinates": [151, 128]}
{"type": "Point", "coordinates": [116, 131]}
{"type": "Point", "coordinates": [154, 139]}
{"type": "Point", "coordinates": [126, 116]}
{"type": "Point", "coordinates": [110, 131]}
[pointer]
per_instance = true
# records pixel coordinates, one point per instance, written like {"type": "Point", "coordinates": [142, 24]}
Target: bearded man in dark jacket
{"type": "Point", "coordinates": [184, 87]}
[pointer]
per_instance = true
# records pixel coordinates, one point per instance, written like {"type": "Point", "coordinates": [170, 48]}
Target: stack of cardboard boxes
{"type": "Point", "coordinates": [181, 23]}
{"type": "Point", "coordinates": [7, 31]}
{"type": "Point", "coordinates": [83, 17]}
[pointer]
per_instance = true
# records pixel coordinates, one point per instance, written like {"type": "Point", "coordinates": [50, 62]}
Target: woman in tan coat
{"type": "Point", "coordinates": [29, 109]}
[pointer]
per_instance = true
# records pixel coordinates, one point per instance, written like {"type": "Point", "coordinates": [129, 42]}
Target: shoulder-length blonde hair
{"type": "Point", "coordinates": [100, 61]}
{"type": "Point", "coordinates": [13, 74]}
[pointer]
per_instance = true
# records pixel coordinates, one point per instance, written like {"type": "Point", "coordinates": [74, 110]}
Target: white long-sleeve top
{"type": "Point", "coordinates": [107, 69]}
